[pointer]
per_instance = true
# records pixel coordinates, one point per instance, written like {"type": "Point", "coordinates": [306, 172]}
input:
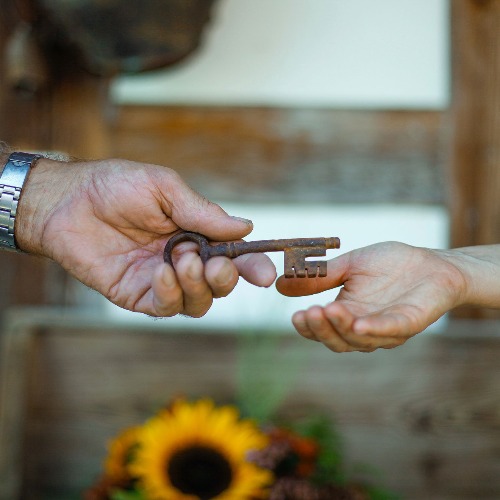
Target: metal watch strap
{"type": "Point", "coordinates": [11, 183]}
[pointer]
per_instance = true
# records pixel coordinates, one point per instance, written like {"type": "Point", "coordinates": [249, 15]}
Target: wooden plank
{"type": "Point", "coordinates": [424, 415]}
{"type": "Point", "coordinates": [291, 155]}
{"type": "Point", "coordinates": [16, 349]}
{"type": "Point", "coordinates": [475, 155]}
{"type": "Point", "coordinates": [79, 127]}
{"type": "Point", "coordinates": [19, 120]}
{"type": "Point", "coordinates": [66, 116]}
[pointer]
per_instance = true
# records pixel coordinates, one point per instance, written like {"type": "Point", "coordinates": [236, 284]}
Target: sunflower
{"type": "Point", "coordinates": [120, 451]}
{"type": "Point", "coordinates": [196, 451]}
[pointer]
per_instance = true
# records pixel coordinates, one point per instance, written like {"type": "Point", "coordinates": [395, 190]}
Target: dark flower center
{"type": "Point", "coordinates": [200, 471]}
{"type": "Point", "coordinates": [287, 466]}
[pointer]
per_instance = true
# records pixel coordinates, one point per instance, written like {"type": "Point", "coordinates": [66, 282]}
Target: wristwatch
{"type": "Point", "coordinates": [12, 180]}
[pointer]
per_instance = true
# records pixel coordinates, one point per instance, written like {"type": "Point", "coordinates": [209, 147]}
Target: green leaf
{"type": "Point", "coordinates": [321, 429]}
{"type": "Point", "coordinates": [267, 367]}
{"type": "Point", "coordinates": [127, 495]}
{"type": "Point", "coordinates": [376, 493]}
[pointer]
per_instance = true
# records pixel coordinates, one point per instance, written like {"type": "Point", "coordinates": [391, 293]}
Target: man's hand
{"type": "Point", "coordinates": [107, 222]}
{"type": "Point", "coordinates": [391, 291]}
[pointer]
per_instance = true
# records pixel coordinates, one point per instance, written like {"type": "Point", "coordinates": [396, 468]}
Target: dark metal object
{"type": "Point", "coordinates": [110, 37]}
{"type": "Point", "coordinates": [296, 250]}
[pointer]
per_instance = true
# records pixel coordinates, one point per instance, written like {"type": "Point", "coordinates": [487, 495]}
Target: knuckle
{"type": "Point", "coordinates": [197, 313]}
{"type": "Point", "coordinates": [338, 348]}
{"type": "Point", "coordinates": [394, 344]}
{"type": "Point", "coordinates": [198, 309]}
{"type": "Point", "coordinates": [367, 349]}
{"type": "Point", "coordinates": [167, 310]}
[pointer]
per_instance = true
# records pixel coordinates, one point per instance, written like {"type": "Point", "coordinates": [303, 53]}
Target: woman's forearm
{"type": "Point", "coordinates": [480, 266]}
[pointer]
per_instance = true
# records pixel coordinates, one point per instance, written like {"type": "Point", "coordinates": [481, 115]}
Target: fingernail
{"type": "Point", "coordinates": [241, 219]}
{"type": "Point", "coordinates": [195, 270]}
{"type": "Point", "coordinates": [225, 274]}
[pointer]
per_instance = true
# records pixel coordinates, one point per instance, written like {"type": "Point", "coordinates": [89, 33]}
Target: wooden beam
{"type": "Point", "coordinates": [65, 116]}
{"type": "Point", "coordinates": [429, 407]}
{"type": "Point", "coordinates": [291, 155]}
{"type": "Point", "coordinates": [475, 155]}
{"type": "Point", "coordinates": [16, 348]}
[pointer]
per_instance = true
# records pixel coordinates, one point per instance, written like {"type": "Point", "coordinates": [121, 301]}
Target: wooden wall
{"type": "Point", "coordinates": [66, 115]}
{"type": "Point", "coordinates": [425, 416]}
{"type": "Point", "coordinates": [294, 155]}
{"type": "Point", "coordinates": [303, 155]}
{"type": "Point", "coordinates": [474, 161]}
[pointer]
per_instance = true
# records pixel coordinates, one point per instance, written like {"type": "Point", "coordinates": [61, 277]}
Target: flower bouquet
{"type": "Point", "coordinates": [201, 451]}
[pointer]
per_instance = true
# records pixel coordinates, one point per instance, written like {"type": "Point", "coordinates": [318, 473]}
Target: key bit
{"type": "Point", "coordinates": [296, 250]}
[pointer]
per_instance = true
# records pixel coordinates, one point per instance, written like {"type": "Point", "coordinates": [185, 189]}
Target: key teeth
{"type": "Point", "coordinates": [312, 271]}
{"type": "Point", "coordinates": [322, 269]}
{"type": "Point", "coordinates": [316, 269]}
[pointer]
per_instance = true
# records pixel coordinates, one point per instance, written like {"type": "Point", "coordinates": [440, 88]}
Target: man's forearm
{"type": "Point", "coordinates": [42, 186]}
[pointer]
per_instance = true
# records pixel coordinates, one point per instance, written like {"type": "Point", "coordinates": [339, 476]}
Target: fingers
{"type": "Point", "coordinates": [258, 269]}
{"type": "Point", "coordinates": [167, 294]}
{"type": "Point", "coordinates": [341, 331]}
{"type": "Point", "coordinates": [221, 276]}
{"type": "Point", "coordinates": [336, 275]}
{"type": "Point", "coordinates": [191, 287]}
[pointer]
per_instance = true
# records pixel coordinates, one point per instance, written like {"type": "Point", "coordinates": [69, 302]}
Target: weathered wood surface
{"type": "Point", "coordinates": [68, 117]}
{"type": "Point", "coordinates": [475, 119]}
{"type": "Point", "coordinates": [291, 155]}
{"type": "Point", "coordinates": [16, 350]}
{"type": "Point", "coordinates": [425, 415]}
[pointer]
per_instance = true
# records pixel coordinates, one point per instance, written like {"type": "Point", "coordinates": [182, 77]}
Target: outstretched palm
{"type": "Point", "coordinates": [390, 292]}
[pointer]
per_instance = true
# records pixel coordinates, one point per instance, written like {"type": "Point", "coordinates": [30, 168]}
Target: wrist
{"type": "Point", "coordinates": [480, 268]}
{"type": "Point", "coordinates": [38, 201]}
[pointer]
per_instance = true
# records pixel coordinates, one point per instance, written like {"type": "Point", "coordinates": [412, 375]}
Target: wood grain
{"type": "Point", "coordinates": [16, 348]}
{"type": "Point", "coordinates": [67, 116]}
{"type": "Point", "coordinates": [475, 154]}
{"type": "Point", "coordinates": [425, 416]}
{"type": "Point", "coordinates": [291, 155]}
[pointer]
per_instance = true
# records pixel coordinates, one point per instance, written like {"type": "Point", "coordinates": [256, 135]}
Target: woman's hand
{"type": "Point", "coordinates": [390, 292]}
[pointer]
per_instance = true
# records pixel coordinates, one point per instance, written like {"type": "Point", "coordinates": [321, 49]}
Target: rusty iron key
{"type": "Point", "coordinates": [296, 250]}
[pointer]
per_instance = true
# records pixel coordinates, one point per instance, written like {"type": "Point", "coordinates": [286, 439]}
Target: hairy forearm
{"type": "Point", "coordinates": [480, 266]}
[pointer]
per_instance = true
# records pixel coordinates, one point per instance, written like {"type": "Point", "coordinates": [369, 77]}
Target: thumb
{"type": "Point", "coordinates": [336, 275]}
{"type": "Point", "coordinates": [193, 212]}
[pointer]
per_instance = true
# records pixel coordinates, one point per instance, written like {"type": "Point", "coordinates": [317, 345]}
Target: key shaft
{"type": "Point", "coordinates": [234, 249]}
{"type": "Point", "coordinates": [296, 250]}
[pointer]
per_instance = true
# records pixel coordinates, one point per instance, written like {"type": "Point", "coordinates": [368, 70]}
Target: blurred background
{"type": "Point", "coordinates": [368, 121]}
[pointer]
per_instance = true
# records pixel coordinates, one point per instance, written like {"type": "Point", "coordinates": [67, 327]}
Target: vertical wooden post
{"type": "Point", "coordinates": [475, 155]}
{"type": "Point", "coordinates": [16, 348]}
{"type": "Point", "coordinates": [66, 116]}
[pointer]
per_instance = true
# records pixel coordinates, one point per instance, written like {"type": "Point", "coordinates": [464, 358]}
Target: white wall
{"type": "Point", "coordinates": [332, 53]}
{"type": "Point", "coordinates": [347, 53]}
